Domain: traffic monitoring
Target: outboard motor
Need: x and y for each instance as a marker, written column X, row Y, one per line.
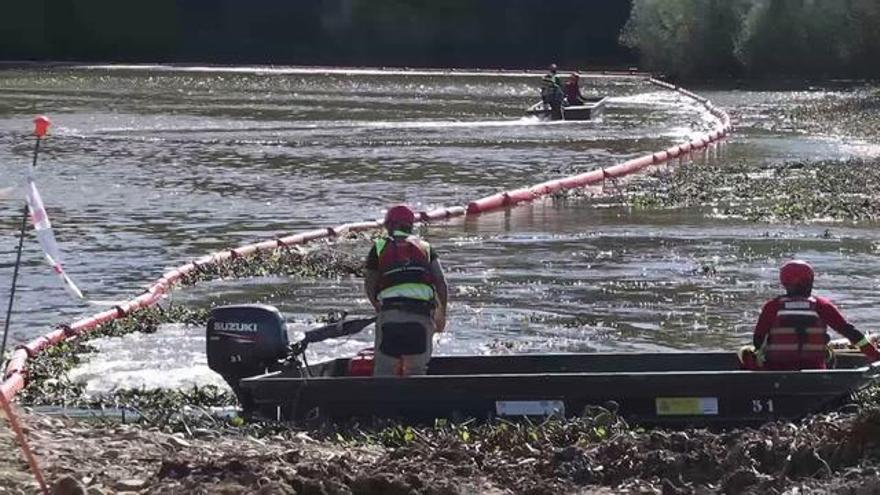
column 243, row 341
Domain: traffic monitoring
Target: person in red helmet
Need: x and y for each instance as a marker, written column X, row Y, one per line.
column 792, row 331
column 406, row 285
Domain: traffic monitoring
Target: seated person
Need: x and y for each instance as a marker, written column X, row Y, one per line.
column 573, row 90
column 792, row 331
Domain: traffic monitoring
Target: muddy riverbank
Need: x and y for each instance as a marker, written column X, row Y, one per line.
column 831, row 453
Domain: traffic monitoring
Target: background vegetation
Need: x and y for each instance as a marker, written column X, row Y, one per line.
column 695, row 38
column 681, row 38
column 425, row 33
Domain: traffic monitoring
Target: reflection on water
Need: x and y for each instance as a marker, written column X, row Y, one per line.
column 147, row 169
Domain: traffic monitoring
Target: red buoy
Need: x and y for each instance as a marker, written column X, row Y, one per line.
column 41, row 125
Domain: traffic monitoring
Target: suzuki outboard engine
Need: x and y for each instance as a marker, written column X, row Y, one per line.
column 243, row 341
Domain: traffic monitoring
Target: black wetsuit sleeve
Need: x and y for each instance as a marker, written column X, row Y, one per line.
column 851, row 333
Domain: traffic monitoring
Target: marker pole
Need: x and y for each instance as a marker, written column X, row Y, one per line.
column 41, row 126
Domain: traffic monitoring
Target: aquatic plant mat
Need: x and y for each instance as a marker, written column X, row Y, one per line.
column 855, row 114
column 825, row 191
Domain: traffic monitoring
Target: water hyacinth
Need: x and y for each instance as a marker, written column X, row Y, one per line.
column 294, row 261
column 855, row 115
column 835, row 191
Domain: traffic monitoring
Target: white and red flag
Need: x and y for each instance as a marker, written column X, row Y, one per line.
column 45, row 235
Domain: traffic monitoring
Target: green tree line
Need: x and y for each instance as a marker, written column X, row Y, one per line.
column 699, row 38
column 484, row 33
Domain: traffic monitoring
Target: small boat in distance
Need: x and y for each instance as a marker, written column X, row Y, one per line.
column 591, row 109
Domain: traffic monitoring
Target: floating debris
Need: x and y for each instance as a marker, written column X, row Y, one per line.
column 825, row 191
column 325, row 261
column 854, row 114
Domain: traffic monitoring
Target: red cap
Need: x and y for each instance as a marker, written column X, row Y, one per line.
column 41, row 125
column 796, row 274
column 399, row 216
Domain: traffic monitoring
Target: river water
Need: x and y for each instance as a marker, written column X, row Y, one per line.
column 150, row 167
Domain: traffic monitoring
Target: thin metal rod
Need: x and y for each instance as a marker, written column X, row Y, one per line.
column 14, row 280
column 22, row 232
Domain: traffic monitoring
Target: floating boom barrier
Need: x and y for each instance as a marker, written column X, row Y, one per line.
column 15, row 375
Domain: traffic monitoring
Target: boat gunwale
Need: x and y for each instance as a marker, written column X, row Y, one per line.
column 870, row 372
column 853, row 371
column 538, row 109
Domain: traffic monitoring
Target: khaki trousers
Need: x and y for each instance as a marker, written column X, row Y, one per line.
column 407, row 364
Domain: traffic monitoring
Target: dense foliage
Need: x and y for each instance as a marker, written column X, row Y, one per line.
column 685, row 38
column 757, row 37
column 422, row 33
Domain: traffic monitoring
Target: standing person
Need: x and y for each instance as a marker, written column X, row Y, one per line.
column 573, row 90
column 792, row 331
column 405, row 284
column 551, row 93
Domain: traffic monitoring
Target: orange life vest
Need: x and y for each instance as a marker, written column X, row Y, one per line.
column 798, row 336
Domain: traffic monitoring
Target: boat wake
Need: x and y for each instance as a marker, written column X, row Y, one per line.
column 522, row 121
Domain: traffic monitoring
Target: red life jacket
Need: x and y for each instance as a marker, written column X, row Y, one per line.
column 405, row 268
column 798, row 338
column 573, row 93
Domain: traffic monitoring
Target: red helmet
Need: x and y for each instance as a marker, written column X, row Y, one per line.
column 796, row 274
column 399, row 216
